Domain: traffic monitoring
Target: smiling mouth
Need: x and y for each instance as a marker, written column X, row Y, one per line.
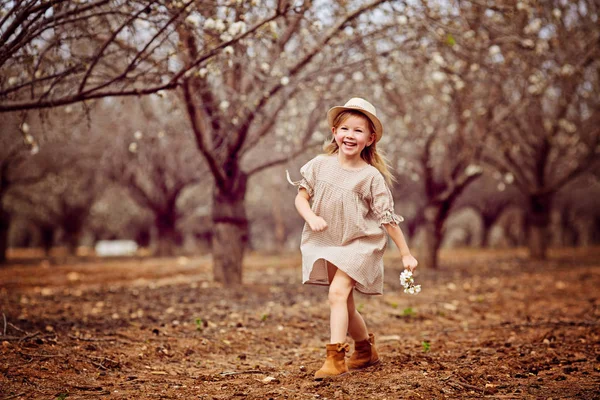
column 349, row 143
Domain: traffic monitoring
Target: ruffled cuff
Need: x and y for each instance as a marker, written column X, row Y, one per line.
column 302, row 183
column 389, row 217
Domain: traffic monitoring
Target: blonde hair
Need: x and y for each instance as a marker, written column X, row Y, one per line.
column 369, row 153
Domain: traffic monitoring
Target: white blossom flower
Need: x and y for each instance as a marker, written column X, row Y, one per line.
column 265, row 67
column 226, row 37
column 473, row 169
column 133, row 147
column 193, row 20
column 25, row 127
column 557, row 13
column 407, row 281
column 161, row 134
column 501, row 186
column 236, row 28
column 285, row 80
column 509, row 178
column 318, row 25
column 533, row 27
column 402, row 20
column 567, row 125
column 38, row 74
column 12, row 80
column 459, row 84
column 224, row 105
column 255, row 3
column 138, row 135
column 68, row 109
column 273, row 26
column 29, row 139
column 209, row 24
column 474, row 67
column 35, row 149
column 228, row 50
column 219, row 25
column 567, row 70
column 202, row 73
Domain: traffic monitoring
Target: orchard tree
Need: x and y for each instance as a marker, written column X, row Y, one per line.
column 149, row 157
column 546, row 129
column 234, row 102
column 432, row 94
column 238, row 64
column 491, row 196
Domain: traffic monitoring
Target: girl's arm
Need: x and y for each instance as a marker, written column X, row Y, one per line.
column 398, row 237
column 315, row 222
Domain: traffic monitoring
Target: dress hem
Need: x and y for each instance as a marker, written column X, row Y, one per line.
column 355, row 288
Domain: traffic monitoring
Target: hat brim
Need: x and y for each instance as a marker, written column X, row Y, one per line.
column 335, row 111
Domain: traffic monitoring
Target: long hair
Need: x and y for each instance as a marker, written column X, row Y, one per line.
column 369, row 153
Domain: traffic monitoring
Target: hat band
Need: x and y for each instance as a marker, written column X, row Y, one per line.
column 357, row 106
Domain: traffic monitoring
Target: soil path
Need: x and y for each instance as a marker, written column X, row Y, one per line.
column 487, row 324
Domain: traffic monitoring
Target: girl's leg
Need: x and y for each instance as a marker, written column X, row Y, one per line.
column 339, row 290
column 356, row 324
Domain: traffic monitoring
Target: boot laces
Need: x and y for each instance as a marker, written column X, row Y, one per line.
column 343, row 346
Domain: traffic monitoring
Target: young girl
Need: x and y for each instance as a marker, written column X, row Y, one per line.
column 345, row 232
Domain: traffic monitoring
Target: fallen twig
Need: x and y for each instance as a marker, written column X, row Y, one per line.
column 4, row 317
column 92, row 339
column 14, row 396
column 251, row 371
column 31, row 336
column 468, row 386
column 89, row 388
column 17, row 328
column 41, row 355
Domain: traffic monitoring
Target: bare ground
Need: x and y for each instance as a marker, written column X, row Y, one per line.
column 487, row 324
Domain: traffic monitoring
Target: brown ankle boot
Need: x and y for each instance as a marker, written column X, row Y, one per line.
column 365, row 354
column 335, row 364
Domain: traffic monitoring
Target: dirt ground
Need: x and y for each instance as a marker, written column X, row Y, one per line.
column 487, row 324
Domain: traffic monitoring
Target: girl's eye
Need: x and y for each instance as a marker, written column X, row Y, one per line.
column 344, row 128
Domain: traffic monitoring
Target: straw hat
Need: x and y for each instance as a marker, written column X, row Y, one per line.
column 361, row 105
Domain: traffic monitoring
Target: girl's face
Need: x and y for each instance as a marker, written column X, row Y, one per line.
column 353, row 135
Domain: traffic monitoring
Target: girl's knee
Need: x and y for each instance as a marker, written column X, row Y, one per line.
column 338, row 294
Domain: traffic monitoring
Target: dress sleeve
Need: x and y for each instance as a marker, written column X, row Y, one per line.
column 382, row 202
column 308, row 177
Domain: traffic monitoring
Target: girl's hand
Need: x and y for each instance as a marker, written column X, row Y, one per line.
column 317, row 224
column 409, row 262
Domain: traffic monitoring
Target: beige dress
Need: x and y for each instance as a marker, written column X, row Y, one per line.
column 355, row 204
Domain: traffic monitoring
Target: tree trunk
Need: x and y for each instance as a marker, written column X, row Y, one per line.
column 280, row 231
column 168, row 237
column 72, row 226
column 4, row 228
column 486, row 230
column 47, row 239
column 230, row 233
column 538, row 220
column 428, row 256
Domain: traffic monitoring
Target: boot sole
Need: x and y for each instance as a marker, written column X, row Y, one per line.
column 331, row 376
column 366, row 366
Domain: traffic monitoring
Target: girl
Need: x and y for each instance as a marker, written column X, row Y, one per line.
column 344, row 236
